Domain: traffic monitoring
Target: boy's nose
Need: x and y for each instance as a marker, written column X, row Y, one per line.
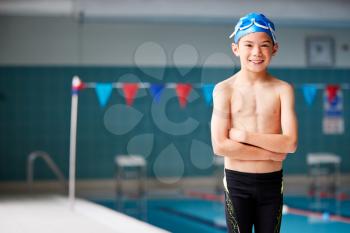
column 256, row 51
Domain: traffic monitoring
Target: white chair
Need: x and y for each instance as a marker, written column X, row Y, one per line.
column 136, row 165
column 326, row 166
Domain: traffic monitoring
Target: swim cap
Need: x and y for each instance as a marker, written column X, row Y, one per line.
column 253, row 22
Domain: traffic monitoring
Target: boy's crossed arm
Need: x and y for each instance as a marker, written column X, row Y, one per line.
column 280, row 143
column 222, row 143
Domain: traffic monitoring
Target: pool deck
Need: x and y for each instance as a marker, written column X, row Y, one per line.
column 52, row 213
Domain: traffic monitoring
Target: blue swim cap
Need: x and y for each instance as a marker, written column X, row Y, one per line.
column 253, row 22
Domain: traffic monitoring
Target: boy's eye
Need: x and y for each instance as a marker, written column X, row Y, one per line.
column 248, row 45
column 265, row 45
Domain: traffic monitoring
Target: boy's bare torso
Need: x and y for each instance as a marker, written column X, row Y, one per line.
column 255, row 108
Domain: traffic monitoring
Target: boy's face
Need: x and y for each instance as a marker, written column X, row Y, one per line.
column 255, row 51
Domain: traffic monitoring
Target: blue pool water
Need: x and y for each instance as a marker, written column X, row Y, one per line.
column 197, row 215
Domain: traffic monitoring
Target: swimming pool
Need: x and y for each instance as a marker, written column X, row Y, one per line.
column 186, row 214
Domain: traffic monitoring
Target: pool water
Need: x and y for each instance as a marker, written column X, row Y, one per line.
column 196, row 215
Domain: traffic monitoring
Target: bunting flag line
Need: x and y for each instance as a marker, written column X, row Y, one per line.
column 183, row 90
column 208, row 93
column 156, row 91
column 309, row 92
column 130, row 90
column 103, row 92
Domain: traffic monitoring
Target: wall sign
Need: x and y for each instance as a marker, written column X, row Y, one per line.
column 320, row 51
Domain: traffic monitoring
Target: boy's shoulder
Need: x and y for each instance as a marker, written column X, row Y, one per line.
column 225, row 85
column 281, row 84
column 224, row 89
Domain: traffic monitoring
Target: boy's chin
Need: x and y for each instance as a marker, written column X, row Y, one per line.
column 257, row 69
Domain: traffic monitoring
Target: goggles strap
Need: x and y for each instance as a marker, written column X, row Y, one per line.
column 273, row 34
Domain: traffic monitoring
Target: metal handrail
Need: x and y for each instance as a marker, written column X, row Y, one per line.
column 46, row 157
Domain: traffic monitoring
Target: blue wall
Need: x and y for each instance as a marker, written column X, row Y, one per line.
column 35, row 115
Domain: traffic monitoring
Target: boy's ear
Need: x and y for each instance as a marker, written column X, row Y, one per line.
column 275, row 49
column 234, row 48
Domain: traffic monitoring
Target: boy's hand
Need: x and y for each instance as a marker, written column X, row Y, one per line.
column 238, row 135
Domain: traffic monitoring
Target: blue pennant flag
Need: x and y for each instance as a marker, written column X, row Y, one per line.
column 208, row 93
column 103, row 91
column 309, row 92
column 156, row 91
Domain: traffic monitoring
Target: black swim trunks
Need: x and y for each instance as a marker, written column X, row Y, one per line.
column 253, row 199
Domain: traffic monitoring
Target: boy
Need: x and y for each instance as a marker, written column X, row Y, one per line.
column 254, row 127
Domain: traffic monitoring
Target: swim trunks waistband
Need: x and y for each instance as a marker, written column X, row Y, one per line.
column 268, row 175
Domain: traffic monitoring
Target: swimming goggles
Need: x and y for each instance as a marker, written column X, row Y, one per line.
column 246, row 23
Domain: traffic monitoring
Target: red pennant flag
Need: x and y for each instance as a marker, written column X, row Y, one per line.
column 130, row 90
column 183, row 90
column 332, row 92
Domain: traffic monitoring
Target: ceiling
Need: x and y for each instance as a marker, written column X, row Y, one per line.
column 328, row 13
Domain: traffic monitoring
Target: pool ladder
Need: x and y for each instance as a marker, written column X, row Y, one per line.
column 51, row 164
